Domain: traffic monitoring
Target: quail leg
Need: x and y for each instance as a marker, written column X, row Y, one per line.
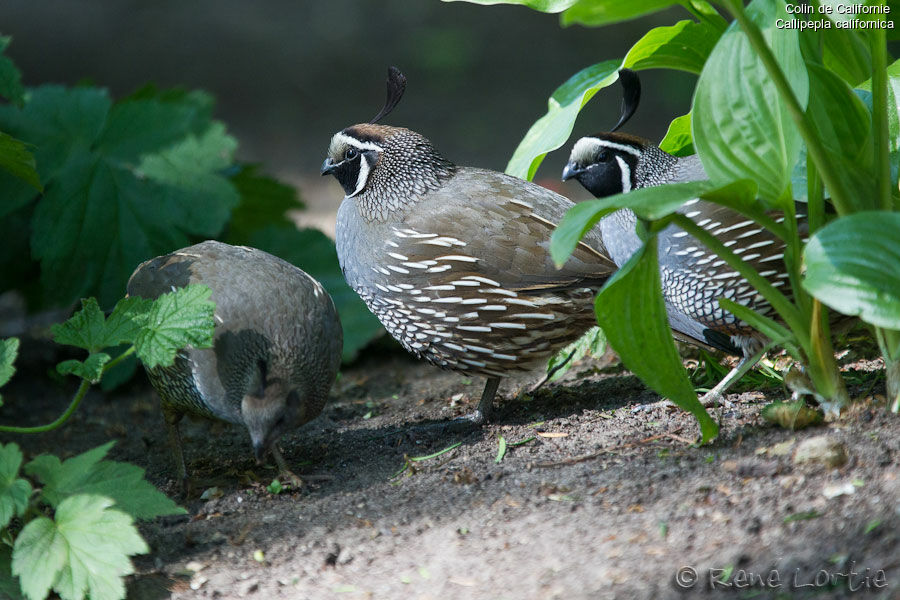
column 482, row 413
column 715, row 396
column 172, row 418
column 284, row 472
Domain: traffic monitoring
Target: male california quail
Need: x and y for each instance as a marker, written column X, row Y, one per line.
column 277, row 344
column 693, row 277
column 454, row 260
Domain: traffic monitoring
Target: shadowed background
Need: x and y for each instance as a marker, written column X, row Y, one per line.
column 287, row 75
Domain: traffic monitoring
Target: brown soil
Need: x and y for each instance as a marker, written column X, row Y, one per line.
column 609, row 500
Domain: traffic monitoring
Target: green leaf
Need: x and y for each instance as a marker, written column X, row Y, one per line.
column 865, row 91
column 631, row 311
column 14, row 492
column 777, row 333
column 91, row 368
column 547, row 6
column 650, row 203
column 678, row 140
column 314, row 252
column 684, row 46
column 846, row 54
column 501, row 449
column 10, row 77
column 843, row 125
column 604, row 12
column 9, row 350
column 592, row 343
column 88, row 328
column 553, row 129
column 17, row 160
column 84, row 550
column 123, row 182
column 193, row 166
column 180, row 318
column 264, row 201
column 85, row 329
column 741, row 127
column 853, row 266
column 126, row 321
column 87, row 473
column 59, row 122
column 144, row 125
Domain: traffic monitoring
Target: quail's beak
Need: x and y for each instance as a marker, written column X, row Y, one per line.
column 328, row 166
column 571, row 170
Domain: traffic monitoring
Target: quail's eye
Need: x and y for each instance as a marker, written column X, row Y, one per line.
column 603, row 156
column 351, row 153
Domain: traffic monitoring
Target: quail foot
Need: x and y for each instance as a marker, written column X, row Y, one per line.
column 277, row 345
column 454, row 260
column 693, row 277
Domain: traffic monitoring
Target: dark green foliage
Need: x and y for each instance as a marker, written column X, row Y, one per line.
column 92, row 187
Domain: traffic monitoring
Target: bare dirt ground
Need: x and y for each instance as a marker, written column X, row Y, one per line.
column 608, row 500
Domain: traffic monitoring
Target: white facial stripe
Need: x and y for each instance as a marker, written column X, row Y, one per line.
column 614, row 146
column 626, row 174
column 362, row 177
column 585, row 147
column 340, row 137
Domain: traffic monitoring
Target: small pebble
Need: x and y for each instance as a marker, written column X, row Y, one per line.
column 821, row 449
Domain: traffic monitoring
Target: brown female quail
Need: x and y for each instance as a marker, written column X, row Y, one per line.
column 277, row 344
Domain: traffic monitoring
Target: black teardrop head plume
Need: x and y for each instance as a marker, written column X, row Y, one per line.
column 631, row 95
column 396, row 85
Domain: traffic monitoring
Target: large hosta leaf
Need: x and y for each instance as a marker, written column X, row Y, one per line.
column 552, row 130
column 604, row 12
column 651, row 203
column 684, row 46
column 631, row 312
column 853, row 266
column 741, row 127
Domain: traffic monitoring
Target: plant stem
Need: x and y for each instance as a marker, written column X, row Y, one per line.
column 79, row 395
column 131, row 350
column 815, row 197
column 823, row 369
column 76, row 400
column 839, row 194
column 880, row 135
column 889, row 344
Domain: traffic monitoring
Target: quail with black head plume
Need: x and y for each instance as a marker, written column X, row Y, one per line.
column 276, row 352
column 454, row 260
column 693, row 277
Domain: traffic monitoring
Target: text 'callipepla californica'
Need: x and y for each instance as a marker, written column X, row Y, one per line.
column 277, row 344
column 454, row 260
column 693, row 277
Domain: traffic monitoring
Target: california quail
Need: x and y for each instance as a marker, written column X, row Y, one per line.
column 693, row 277
column 277, row 344
column 454, row 261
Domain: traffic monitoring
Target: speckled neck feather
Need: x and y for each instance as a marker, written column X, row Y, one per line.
column 408, row 168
